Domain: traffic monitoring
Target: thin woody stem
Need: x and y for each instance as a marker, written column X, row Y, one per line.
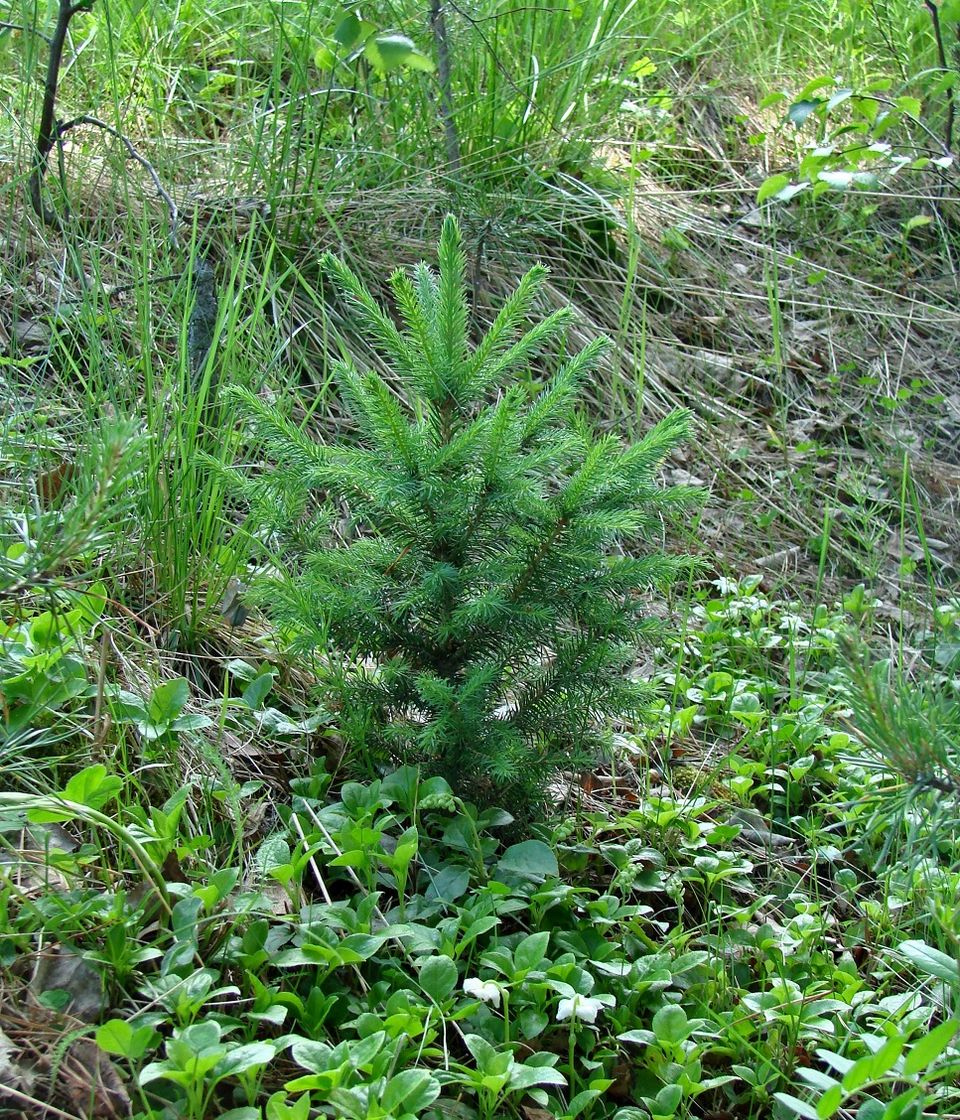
column 48, row 132
column 439, row 25
column 133, row 154
column 942, row 56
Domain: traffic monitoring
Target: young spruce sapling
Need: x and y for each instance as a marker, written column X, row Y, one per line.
column 481, row 613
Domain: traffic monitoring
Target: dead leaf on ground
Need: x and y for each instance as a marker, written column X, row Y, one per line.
column 31, row 334
column 91, row 1082
column 47, row 1056
column 60, row 968
column 13, row 1075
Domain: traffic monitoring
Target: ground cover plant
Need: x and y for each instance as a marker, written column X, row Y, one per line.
column 260, row 858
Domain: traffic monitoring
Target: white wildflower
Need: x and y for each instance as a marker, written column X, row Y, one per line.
column 486, row 990
column 586, row 1008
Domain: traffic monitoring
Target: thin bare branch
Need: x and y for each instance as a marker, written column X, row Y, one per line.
column 5, row 26
column 132, row 153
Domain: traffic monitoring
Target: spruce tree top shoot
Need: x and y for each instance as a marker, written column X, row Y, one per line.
column 482, row 613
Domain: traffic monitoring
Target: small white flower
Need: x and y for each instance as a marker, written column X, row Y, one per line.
column 486, row 990
column 586, row 1008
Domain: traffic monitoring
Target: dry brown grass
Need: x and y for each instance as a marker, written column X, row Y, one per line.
column 709, row 300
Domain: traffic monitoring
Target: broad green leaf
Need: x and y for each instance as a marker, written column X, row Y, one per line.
column 350, row 1104
column 858, row 1074
column 294, row 958
column 746, row 708
column 930, row 1047
column 530, row 859
column 155, row 1071
column 818, row 1079
column 907, row 1105
column 438, row 977
column 312, row 1055
column 200, row 1037
column 257, row 691
column 838, row 98
column 273, row 852
column 116, row 1037
column 91, row 603
column 459, row 835
column 643, row 1038
column 836, row 1061
column 477, row 928
column 791, row 191
column 884, row 1060
column 409, row 1092
column 800, row 110
column 277, row 1109
column 408, row 844
column 130, row 705
column 912, row 106
column 387, row 53
column 867, row 107
column 324, row 1082
column 837, row 180
column 241, row 669
column 193, row 721
column 930, row 960
column 668, row 1100
column 484, row 1053
column 438, row 789
column 323, row 59
column 821, row 81
column 221, row 884
column 801, row 1108
column 670, row 1024
column 586, row 1097
column 532, row 1022
column 916, row 222
column 366, row 1049
column 402, row 785
column 772, row 186
column 359, row 947
column 829, row 1102
column 347, row 31
column 92, row 787
column 449, row 884
column 772, row 99
column 168, row 700
column 152, row 731
column 642, row 67
column 530, row 952
column 44, row 631
column 528, row 1075
column 184, row 917
column 245, row 1057
column 871, row 1109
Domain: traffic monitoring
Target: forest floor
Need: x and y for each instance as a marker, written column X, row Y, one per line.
column 202, row 913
